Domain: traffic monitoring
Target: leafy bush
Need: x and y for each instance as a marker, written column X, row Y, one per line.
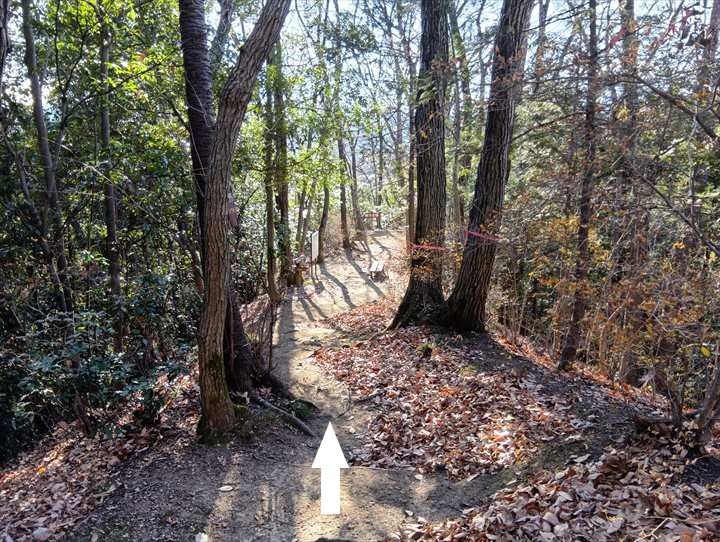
column 65, row 368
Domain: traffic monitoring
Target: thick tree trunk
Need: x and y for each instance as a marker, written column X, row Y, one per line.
column 424, row 294
column 52, row 213
column 110, row 193
column 220, row 323
column 572, row 338
column 199, row 101
column 466, row 305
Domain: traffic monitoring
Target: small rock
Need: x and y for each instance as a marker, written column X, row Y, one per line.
column 225, row 489
column 202, row 537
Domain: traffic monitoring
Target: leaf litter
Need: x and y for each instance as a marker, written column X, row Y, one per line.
column 439, row 408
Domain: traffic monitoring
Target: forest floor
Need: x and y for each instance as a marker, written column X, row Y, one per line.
column 446, row 436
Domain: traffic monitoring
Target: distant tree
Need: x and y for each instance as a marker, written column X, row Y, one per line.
column 572, row 337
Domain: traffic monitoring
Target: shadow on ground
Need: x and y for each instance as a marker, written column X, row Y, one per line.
column 264, row 489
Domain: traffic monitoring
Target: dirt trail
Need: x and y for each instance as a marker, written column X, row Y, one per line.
column 265, row 490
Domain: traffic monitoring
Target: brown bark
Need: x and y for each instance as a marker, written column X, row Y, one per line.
column 268, row 172
column 51, row 212
column 466, row 305
column 220, row 323
column 354, row 197
column 199, row 101
column 343, row 195
column 281, row 168
column 635, row 220
column 424, row 293
column 464, row 112
column 411, row 86
column 572, row 338
column 322, row 230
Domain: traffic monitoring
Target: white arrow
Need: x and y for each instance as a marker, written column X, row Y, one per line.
column 329, row 459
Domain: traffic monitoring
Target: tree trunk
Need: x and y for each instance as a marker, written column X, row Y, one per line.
column 627, row 182
column 220, row 323
column 322, row 230
column 281, row 168
column 303, row 225
column 354, row 196
column 51, row 204
column 343, row 194
column 4, row 39
column 457, row 206
column 424, row 293
column 380, row 182
column 464, row 127
column 540, row 49
column 110, row 195
column 300, row 217
column 411, row 197
column 268, row 172
column 703, row 91
column 572, row 338
column 466, row 305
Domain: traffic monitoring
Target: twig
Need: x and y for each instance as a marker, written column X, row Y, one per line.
column 291, row 418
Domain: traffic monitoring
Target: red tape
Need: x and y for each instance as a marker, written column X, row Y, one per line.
column 484, row 236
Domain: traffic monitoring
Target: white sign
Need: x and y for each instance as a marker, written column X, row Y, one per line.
column 329, row 459
column 314, row 246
